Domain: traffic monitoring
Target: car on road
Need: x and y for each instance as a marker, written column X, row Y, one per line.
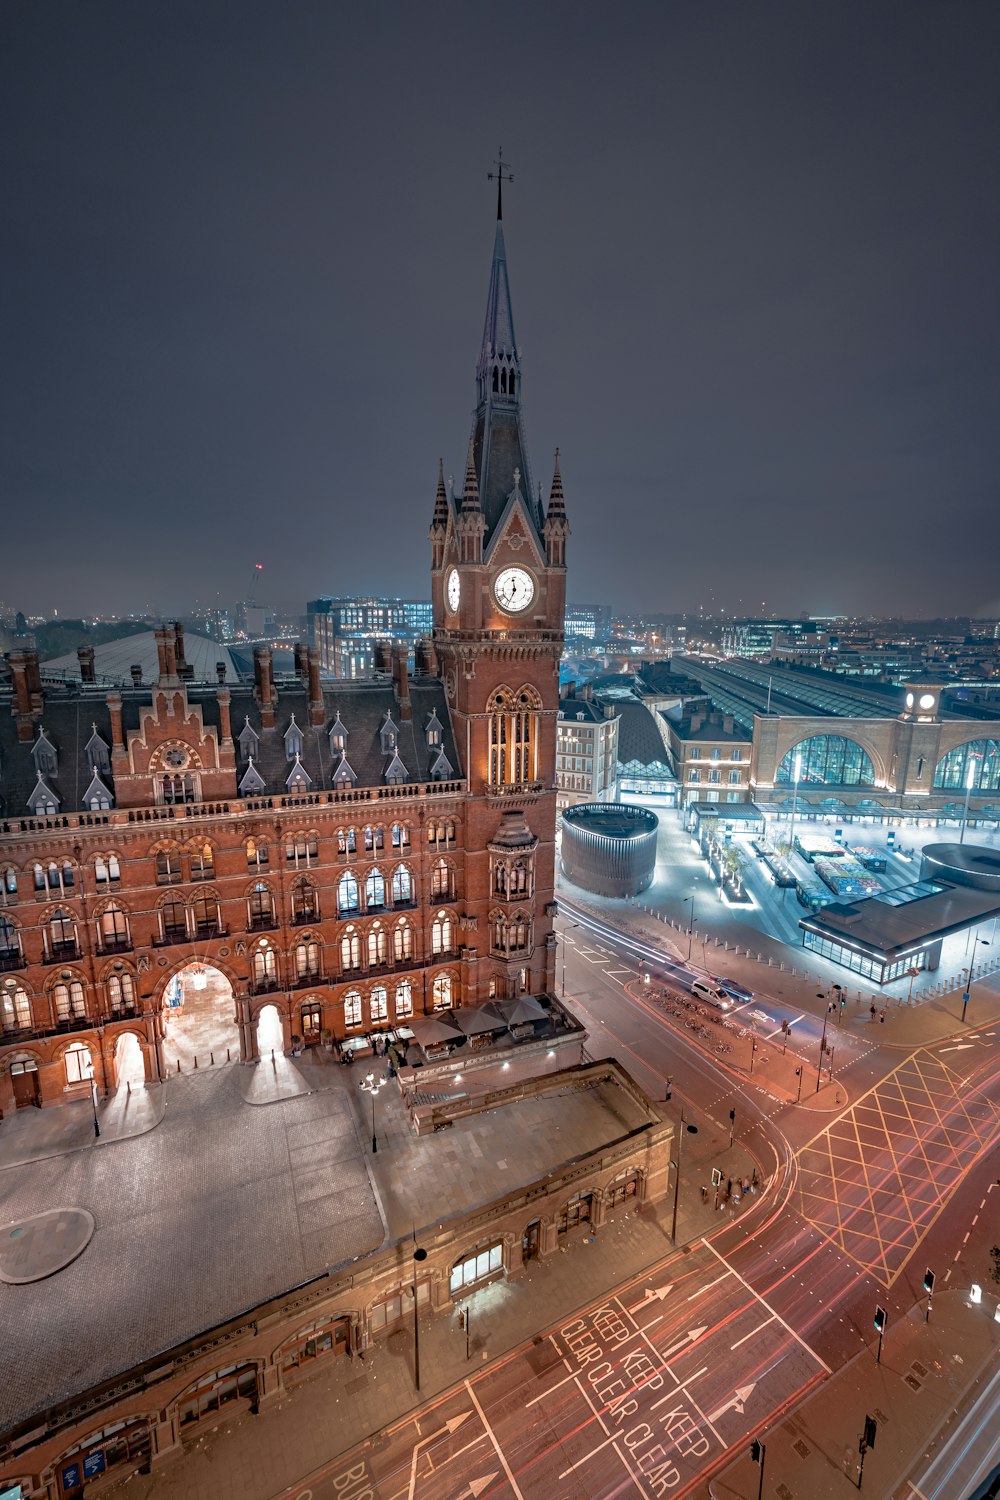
column 705, row 989
column 737, row 991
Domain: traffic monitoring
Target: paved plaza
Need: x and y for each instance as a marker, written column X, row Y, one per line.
column 227, row 1203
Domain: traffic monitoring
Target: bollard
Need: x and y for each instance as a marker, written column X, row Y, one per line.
column 211, row 1059
column 228, row 1058
column 178, row 1065
column 196, row 1062
column 128, row 1088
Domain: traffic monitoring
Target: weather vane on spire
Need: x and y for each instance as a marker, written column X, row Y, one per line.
column 501, row 175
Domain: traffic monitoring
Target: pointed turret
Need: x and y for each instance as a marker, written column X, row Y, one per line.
column 439, row 520
column 471, row 524
column 556, row 528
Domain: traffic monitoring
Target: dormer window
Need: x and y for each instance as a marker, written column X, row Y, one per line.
column 248, row 741
column 396, row 772
column 293, row 741
column 343, row 776
column 97, row 798
column 43, row 801
column 98, row 754
column 251, row 782
column 43, row 753
column 389, row 736
column 338, row 737
column 441, row 768
column 299, row 779
column 434, row 732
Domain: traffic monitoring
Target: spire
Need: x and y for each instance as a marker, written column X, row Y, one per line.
column 470, row 492
column 498, row 327
column 557, row 502
column 440, row 498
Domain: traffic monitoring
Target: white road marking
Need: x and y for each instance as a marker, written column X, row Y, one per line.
column 492, row 1437
column 703, row 1289
column 751, row 1334
column 777, row 1316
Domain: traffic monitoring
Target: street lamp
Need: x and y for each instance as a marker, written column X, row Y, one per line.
column 371, row 1085
column 689, row 901
column 93, row 1100
column 822, row 1045
column 966, row 994
column 419, row 1256
column 685, row 1129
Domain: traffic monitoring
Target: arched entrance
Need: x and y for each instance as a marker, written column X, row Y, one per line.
column 129, row 1063
column 270, row 1037
column 199, row 1019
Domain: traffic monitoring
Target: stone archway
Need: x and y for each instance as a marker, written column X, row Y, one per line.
column 129, row 1061
column 200, row 1019
column 269, row 1035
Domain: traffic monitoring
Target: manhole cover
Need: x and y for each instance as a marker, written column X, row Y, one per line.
column 31, row 1249
column 918, row 1368
column 913, row 1382
column 801, row 1448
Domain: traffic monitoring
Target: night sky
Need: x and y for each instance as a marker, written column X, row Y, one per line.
column 754, row 255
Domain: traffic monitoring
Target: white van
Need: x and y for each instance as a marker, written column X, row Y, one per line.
column 701, row 989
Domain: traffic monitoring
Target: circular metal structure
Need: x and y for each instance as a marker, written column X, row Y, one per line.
column 609, row 848
column 962, row 864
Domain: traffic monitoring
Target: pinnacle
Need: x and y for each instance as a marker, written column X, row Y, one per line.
column 470, row 491
column 440, row 499
column 557, row 503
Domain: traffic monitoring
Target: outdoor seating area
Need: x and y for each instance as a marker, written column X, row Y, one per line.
column 482, row 1028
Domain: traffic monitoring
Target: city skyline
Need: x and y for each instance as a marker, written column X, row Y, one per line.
column 755, row 316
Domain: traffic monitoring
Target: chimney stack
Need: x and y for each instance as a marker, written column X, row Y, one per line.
column 426, row 656
column 179, row 644
column 27, row 700
column 136, row 670
column 317, row 708
column 166, row 654
column 85, row 656
column 264, row 689
column 301, row 660
column 383, row 656
column 220, row 671
column 225, row 725
column 401, row 679
column 114, row 702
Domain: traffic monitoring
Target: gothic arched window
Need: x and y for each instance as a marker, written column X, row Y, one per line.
column 513, row 736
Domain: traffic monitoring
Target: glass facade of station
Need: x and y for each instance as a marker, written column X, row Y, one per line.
column 873, row 966
column 953, row 769
column 827, row 760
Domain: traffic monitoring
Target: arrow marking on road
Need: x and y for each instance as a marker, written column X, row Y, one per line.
column 690, row 1337
column 651, row 1293
column 450, row 1426
column 962, row 1047
column 737, row 1403
column 476, row 1486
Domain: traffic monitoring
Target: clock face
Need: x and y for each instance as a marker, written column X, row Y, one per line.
column 514, row 590
column 454, row 590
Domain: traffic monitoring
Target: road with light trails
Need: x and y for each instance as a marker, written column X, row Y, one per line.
column 971, row 1454
column 647, row 1391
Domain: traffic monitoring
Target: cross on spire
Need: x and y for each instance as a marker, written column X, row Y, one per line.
column 501, row 175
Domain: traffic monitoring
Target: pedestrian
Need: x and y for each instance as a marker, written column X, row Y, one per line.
column 874, row 1008
column 755, row 1180
column 729, row 1188
column 746, row 1186
column 881, row 1016
column 704, row 1193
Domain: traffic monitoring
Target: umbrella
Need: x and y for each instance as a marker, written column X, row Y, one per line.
column 524, row 1008
column 431, row 1029
column 475, row 1019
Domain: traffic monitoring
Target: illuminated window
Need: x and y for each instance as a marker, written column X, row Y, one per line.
column 347, row 893
column 69, row 1002
column 402, row 941
column 121, row 992
column 441, row 993
column 350, row 950
column 378, row 948
column 513, row 736
column 15, row 1007
column 374, row 890
column 352, row 1008
column 978, row 759
column 404, row 1000
column 79, row 1063
column 378, row 1003
column 442, row 933
column 827, row 760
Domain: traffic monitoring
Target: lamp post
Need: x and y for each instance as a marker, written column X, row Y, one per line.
column 371, row 1085
column 419, row 1256
column 689, row 901
column 966, row 993
column 685, row 1129
column 93, row 1100
column 822, row 1045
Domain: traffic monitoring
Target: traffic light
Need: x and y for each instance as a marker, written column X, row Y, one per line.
column 732, row 1115
column 928, row 1282
column 880, row 1320
column 755, row 1451
column 843, row 1001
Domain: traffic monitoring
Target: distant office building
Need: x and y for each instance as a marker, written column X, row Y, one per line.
column 586, row 751
column 757, row 637
column 589, row 622
column 345, row 631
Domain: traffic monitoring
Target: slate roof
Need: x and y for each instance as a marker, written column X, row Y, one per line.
column 638, row 737
column 68, row 715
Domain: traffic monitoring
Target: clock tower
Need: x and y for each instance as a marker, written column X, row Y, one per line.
column 498, row 585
